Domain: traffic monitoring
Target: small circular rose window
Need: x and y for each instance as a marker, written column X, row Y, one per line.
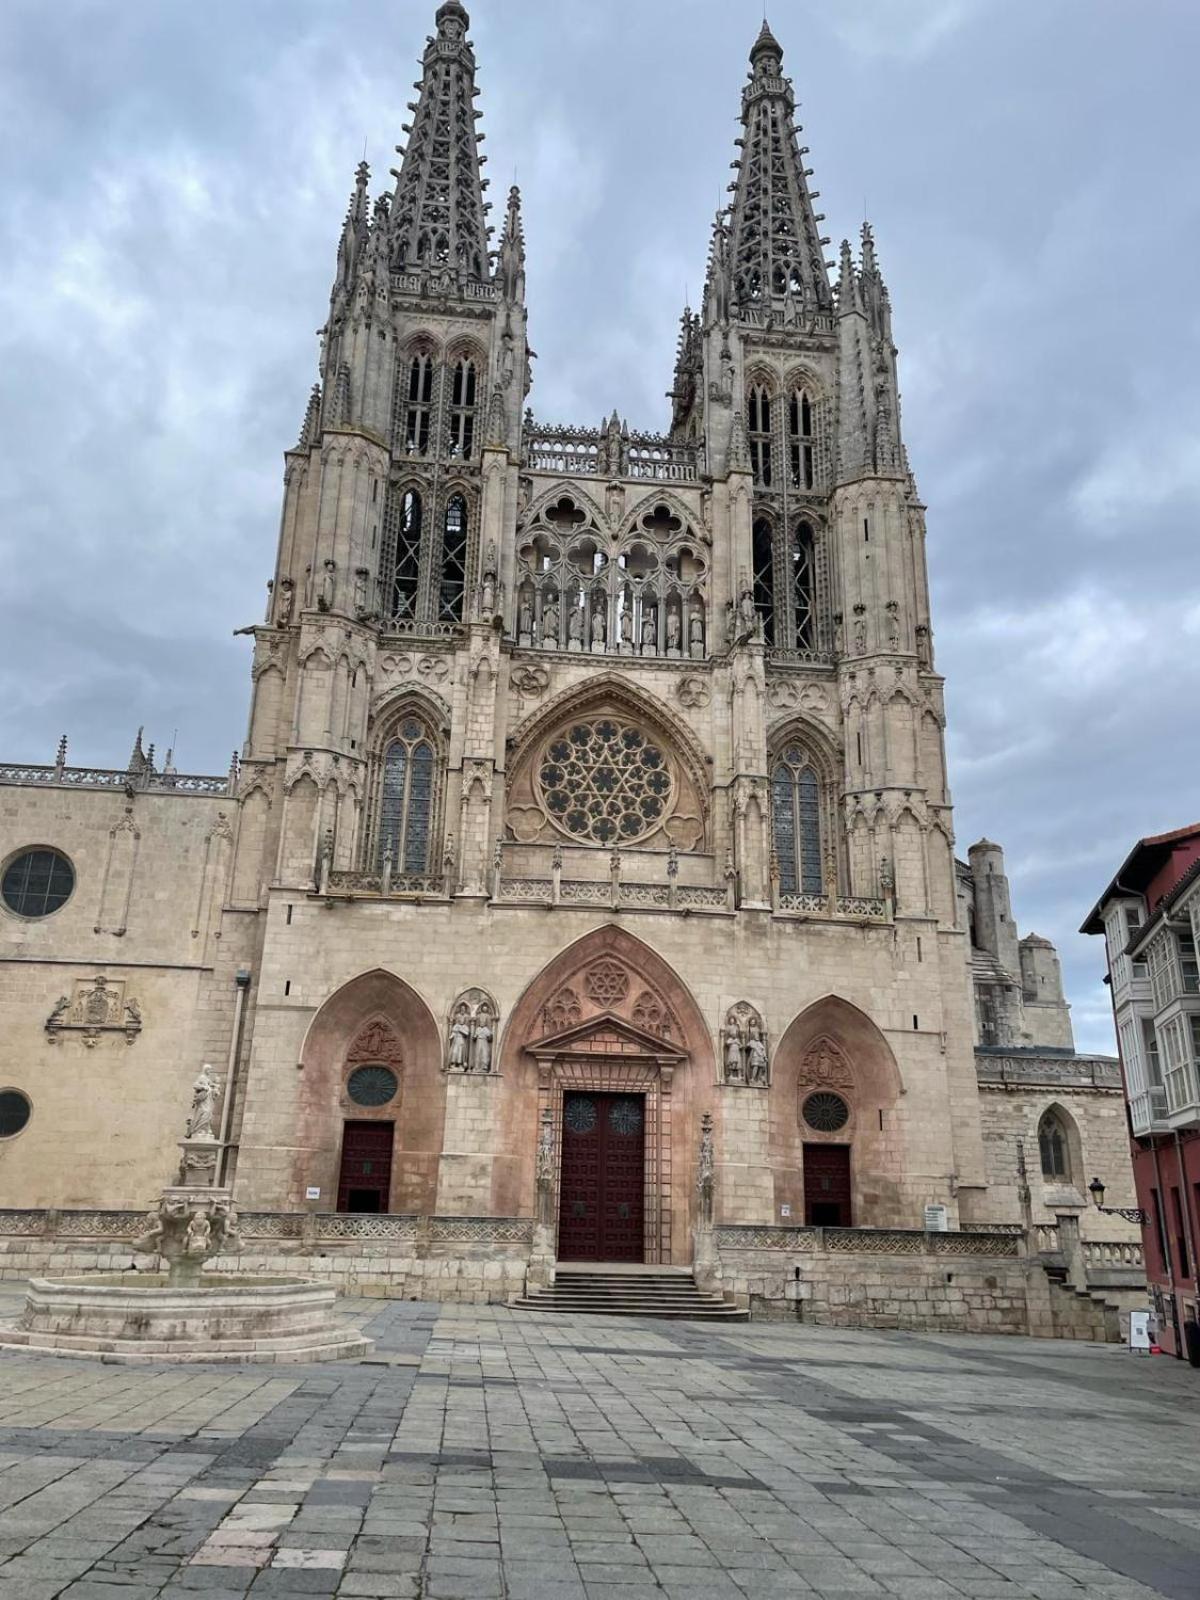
column 372, row 1086
column 605, row 782
column 826, row 1112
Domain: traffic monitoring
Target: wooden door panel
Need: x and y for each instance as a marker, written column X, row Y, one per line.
column 365, row 1180
column 601, row 1190
column 827, row 1187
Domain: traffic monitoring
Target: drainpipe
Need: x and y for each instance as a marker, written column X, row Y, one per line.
column 1162, row 1233
column 242, row 979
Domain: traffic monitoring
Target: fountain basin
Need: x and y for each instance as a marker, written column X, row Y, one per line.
column 140, row 1316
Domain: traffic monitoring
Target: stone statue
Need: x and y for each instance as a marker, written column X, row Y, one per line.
column 649, row 628
column 696, row 631
column 756, row 1057
column 488, row 596
column 887, row 878
column 62, row 1006
column 597, row 629
column 575, row 625
column 525, row 620
column 326, row 597
column 706, row 1169
column 147, row 1243
column 860, row 635
column 747, row 614
column 285, row 602
column 545, row 1152
column 481, row 1044
column 550, row 622
column 673, row 630
column 460, row 1040
column 627, row 626
column 733, row 1056
column 198, row 1237
column 205, row 1093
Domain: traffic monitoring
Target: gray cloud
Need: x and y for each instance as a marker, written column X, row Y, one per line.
column 173, row 180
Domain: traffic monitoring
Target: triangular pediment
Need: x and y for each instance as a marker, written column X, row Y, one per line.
column 607, row 1034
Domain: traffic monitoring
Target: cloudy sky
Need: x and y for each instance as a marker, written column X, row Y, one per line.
column 173, row 181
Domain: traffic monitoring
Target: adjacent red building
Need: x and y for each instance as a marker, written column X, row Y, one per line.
column 1150, row 917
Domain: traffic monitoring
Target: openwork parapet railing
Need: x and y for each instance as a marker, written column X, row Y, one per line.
column 610, row 452
column 108, row 778
column 257, row 1228
column 854, row 908
column 556, row 891
column 869, row 1241
column 401, row 886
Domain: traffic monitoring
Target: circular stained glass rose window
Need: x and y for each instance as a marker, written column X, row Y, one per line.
column 625, row 1117
column 605, row 782
column 372, row 1086
column 579, row 1115
column 826, row 1111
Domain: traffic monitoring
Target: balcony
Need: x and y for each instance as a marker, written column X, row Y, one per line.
column 610, row 452
column 1183, row 1096
column 1148, row 1112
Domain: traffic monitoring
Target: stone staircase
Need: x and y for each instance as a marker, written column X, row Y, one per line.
column 623, row 1291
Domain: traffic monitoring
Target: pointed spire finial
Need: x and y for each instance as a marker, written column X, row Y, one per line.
column 137, row 756
column 767, row 45
column 510, row 262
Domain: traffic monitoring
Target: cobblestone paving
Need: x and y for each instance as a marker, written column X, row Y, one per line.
column 487, row 1454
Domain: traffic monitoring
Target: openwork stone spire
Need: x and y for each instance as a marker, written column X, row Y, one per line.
column 510, row 258
column 776, row 248
column 437, row 216
column 354, row 232
column 869, row 438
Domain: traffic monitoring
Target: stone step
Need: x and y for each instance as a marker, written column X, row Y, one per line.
column 617, row 1308
column 586, row 1291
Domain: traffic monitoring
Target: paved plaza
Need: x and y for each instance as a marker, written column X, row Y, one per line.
column 485, row 1453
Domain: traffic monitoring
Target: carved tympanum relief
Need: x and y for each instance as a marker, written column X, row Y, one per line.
column 744, row 1054
column 96, row 1005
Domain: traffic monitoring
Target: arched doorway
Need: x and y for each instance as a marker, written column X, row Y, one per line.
column 837, row 1147
column 372, row 1101
column 610, row 1043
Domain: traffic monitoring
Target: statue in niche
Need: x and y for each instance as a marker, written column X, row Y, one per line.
column 733, row 1057
column 598, row 629
column 756, row 1056
column 488, row 592
column 205, row 1093
column 471, row 1035
column 627, row 626
column 525, row 620
column 696, row 633
column 285, row 602
column 550, row 622
column 887, row 878
column 649, row 629
column 360, row 591
column 860, row 635
column 575, row 625
column 328, row 586
column 481, row 1046
column 673, row 629
column 893, row 611
column 744, row 1047
column 747, row 615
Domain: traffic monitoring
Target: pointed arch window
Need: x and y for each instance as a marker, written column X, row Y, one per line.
column 419, row 408
column 405, row 515
column 796, row 822
column 1054, row 1149
column 462, row 409
column 763, row 557
column 803, row 587
column 758, row 429
column 801, row 441
column 406, row 795
column 453, row 582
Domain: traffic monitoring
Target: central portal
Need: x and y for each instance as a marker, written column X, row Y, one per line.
column 602, row 1188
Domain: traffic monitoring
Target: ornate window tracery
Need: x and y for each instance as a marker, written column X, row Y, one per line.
column 453, row 581
column 763, row 555
column 605, row 782
column 796, row 822
column 1054, row 1149
column 406, row 795
column 801, row 441
column 404, row 512
column 758, row 429
column 419, row 410
column 462, row 409
column 804, row 629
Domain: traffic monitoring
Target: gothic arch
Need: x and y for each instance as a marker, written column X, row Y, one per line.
column 390, row 707
column 384, row 730
column 372, row 997
column 630, row 524
column 557, row 1037
column 1059, row 1146
column 798, row 375
column 832, row 1030
column 821, row 744
column 565, row 489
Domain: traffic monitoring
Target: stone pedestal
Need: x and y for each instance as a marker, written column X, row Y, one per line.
column 468, row 1144
column 746, row 1184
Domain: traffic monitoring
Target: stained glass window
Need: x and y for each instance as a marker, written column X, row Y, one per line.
column 37, row 882
column 406, row 799
column 372, row 1086
column 796, row 822
column 14, row 1112
column 453, row 584
column 1052, row 1147
column 605, row 782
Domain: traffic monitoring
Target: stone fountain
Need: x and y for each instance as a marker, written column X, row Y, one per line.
column 183, row 1313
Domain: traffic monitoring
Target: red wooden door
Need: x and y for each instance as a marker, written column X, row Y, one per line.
column 366, row 1176
column 827, row 1185
column 602, row 1188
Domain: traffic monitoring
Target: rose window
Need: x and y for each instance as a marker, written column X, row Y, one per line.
column 605, row 782
column 607, row 983
column 826, row 1112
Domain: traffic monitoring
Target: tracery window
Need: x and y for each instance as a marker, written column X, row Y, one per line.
column 763, row 556
column 803, row 588
column 1053, row 1148
column 796, row 822
column 406, row 797
column 462, row 410
column 801, row 441
column 453, row 582
column 404, row 512
column 419, row 410
column 758, row 427
column 605, row 782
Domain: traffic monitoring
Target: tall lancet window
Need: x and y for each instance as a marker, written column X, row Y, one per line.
column 462, row 410
column 803, row 616
column 405, row 516
column 406, row 799
column 420, row 406
column 796, row 822
column 758, row 427
column 801, row 442
column 763, row 557
column 453, row 583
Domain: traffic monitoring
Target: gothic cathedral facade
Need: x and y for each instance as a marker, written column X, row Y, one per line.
column 590, row 856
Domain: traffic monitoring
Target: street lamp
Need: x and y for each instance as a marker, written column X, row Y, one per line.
column 1130, row 1213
